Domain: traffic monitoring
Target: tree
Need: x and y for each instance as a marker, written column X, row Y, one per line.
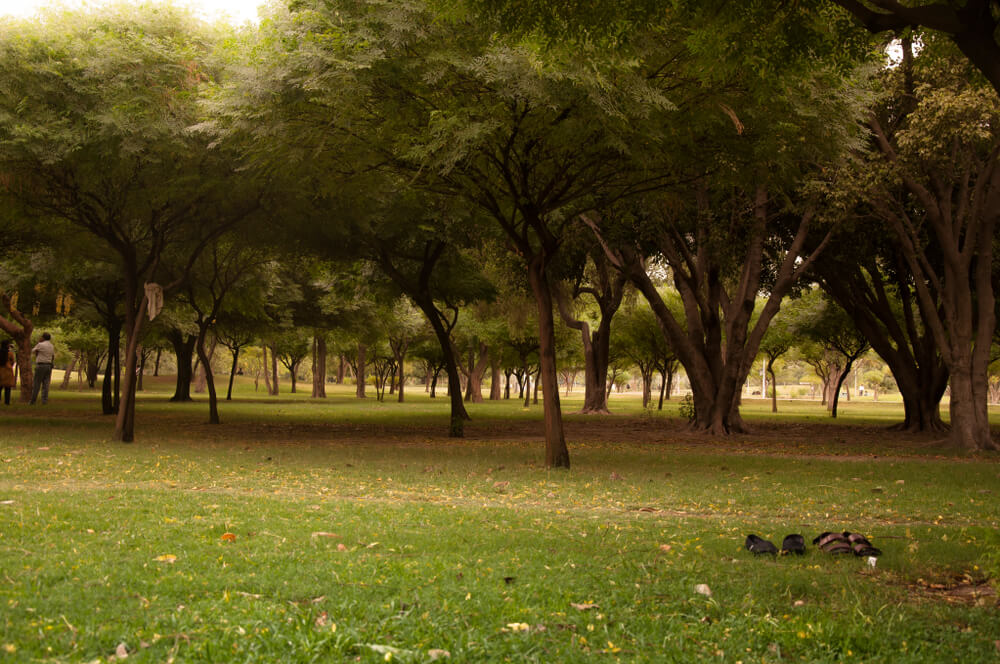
column 865, row 273
column 973, row 25
column 97, row 138
column 778, row 340
column 595, row 277
column 483, row 123
column 224, row 267
column 937, row 153
column 838, row 343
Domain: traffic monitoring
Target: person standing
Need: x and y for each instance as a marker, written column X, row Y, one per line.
column 7, row 378
column 44, row 352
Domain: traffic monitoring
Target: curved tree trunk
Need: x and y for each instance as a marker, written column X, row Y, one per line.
column 206, row 363
column 232, row 373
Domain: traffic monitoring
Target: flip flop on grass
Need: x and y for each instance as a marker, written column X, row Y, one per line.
column 793, row 544
column 758, row 546
column 833, row 543
column 861, row 546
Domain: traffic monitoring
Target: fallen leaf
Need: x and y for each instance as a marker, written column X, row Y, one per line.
column 585, row 606
column 615, row 477
column 321, row 619
column 518, row 627
column 799, row 602
column 436, row 654
column 166, row 558
column 341, row 547
column 703, row 589
column 6, row 502
column 324, row 534
column 665, row 547
column 228, row 537
column 121, row 652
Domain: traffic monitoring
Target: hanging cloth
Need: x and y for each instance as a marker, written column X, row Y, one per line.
column 154, row 299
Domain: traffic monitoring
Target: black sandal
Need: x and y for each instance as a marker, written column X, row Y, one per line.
column 793, row 544
column 758, row 546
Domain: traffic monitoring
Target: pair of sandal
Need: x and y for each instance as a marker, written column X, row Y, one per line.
column 846, row 542
column 791, row 544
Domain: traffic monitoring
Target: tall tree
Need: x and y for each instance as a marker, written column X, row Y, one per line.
column 937, row 154
column 94, row 132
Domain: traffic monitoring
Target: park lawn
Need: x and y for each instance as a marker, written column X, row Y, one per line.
column 306, row 530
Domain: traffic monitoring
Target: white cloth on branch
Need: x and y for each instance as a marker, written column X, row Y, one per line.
column 154, row 299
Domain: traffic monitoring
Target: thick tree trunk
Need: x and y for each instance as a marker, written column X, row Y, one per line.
column 556, row 452
column 477, row 369
column 969, row 408
column 19, row 329
column 184, row 351
column 319, row 367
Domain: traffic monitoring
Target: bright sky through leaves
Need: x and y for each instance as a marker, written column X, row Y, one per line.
column 236, row 11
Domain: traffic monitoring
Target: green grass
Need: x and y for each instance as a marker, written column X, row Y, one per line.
column 363, row 534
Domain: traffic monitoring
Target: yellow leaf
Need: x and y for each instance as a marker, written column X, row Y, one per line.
column 166, row 558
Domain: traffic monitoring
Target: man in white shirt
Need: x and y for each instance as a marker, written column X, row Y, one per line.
column 44, row 352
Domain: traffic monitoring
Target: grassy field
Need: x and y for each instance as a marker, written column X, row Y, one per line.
column 308, row 530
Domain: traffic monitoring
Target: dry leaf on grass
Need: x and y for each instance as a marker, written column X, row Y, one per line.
column 228, row 537
column 703, row 589
column 166, row 558
column 324, row 534
column 121, row 652
column 585, row 606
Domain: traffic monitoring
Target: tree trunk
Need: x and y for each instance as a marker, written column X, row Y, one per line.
column 110, row 395
column 203, row 369
column 232, row 372
column 156, row 364
column 20, row 329
column 184, row 351
column 125, row 419
column 774, row 385
column 556, row 452
column 319, row 367
column 477, row 369
column 274, row 370
column 206, row 363
column 340, row 368
column 361, row 372
column 69, row 371
column 496, row 382
column 267, row 369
